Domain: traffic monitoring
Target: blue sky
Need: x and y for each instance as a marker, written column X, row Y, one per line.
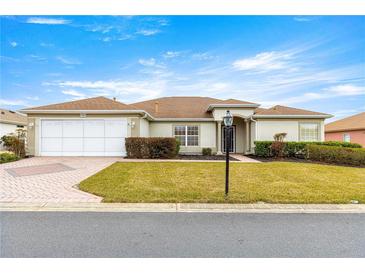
column 308, row 62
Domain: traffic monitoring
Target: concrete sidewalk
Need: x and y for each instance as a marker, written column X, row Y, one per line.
column 185, row 207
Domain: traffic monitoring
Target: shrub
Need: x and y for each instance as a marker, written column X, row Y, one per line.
column 151, row 148
column 339, row 144
column 277, row 149
column 294, row 149
column 336, row 154
column 262, row 148
column 178, row 144
column 207, row 151
column 14, row 144
column 7, row 157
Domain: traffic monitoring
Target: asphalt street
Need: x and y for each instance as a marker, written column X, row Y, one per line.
column 96, row 234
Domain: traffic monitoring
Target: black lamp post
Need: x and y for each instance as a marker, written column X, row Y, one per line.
column 228, row 121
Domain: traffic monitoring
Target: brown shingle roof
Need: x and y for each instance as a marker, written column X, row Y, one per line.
column 96, row 103
column 169, row 107
column 182, row 107
column 355, row 122
column 281, row 110
column 12, row 117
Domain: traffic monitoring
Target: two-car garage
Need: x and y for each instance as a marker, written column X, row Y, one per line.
column 83, row 137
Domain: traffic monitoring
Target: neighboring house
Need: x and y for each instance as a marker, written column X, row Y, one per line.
column 10, row 121
column 350, row 129
column 98, row 126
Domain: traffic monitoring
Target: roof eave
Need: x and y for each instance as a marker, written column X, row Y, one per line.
column 184, row 119
column 322, row 116
column 80, row 111
column 13, row 123
column 343, row 130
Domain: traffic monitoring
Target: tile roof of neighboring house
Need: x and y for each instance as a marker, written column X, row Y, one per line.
column 96, row 103
column 182, row 107
column 12, row 117
column 281, row 110
column 355, row 122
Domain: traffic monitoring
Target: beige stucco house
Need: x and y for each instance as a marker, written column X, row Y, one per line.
column 98, row 126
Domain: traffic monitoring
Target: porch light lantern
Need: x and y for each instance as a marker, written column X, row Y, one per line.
column 228, row 121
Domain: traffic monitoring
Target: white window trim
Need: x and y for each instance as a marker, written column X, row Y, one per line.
column 186, row 134
column 309, row 123
column 344, row 138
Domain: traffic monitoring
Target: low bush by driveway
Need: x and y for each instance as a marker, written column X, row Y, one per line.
column 275, row 182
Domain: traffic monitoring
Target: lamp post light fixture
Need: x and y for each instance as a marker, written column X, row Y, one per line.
column 228, row 121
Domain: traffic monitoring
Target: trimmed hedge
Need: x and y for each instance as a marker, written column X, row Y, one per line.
column 295, row 149
column 336, row 155
column 339, row 144
column 151, row 148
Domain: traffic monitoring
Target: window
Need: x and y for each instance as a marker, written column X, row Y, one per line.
column 308, row 132
column 346, row 137
column 187, row 135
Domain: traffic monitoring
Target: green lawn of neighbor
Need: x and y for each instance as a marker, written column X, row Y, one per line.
column 197, row 182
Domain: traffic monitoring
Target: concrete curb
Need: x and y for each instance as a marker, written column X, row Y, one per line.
column 185, row 207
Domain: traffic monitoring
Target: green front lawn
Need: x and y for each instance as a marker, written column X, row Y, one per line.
column 276, row 182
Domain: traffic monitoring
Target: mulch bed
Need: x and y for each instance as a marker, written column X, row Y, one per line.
column 205, row 158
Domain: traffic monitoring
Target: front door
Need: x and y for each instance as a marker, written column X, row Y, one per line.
column 232, row 143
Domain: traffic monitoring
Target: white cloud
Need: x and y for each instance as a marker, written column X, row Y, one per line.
column 171, row 54
column 47, row 21
column 148, row 32
column 202, row 56
column 100, row 28
column 37, row 58
column 4, row 102
column 326, row 93
column 346, row 90
column 13, row 44
column 106, row 39
column 147, row 62
column 145, row 89
column 152, row 63
column 163, row 22
column 264, row 61
column 33, row 98
column 74, row 93
column 125, row 37
column 68, row 61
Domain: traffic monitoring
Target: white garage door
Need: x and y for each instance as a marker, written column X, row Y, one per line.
column 87, row 137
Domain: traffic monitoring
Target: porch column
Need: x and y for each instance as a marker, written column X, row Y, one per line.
column 247, row 136
column 219, row 138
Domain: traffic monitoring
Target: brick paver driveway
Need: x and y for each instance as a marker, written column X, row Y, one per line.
column 49, row 179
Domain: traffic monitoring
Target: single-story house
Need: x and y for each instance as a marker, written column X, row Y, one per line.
column 350, row 129
column 98, row 126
